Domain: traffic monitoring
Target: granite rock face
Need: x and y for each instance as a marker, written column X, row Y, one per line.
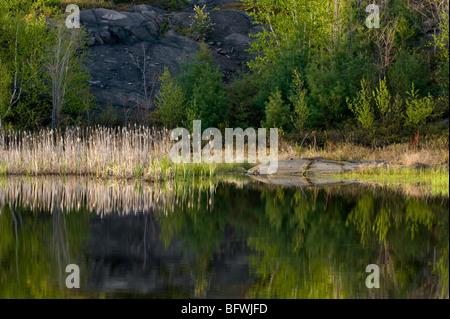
column 142, row 23
column 120, row 42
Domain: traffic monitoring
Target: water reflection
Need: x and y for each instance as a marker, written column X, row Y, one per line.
column 227, row 237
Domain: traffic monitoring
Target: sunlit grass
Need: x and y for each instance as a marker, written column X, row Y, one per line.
column 433, row 181
column 430, row 176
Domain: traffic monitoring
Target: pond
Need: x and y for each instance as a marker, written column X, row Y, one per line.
column 223, row 237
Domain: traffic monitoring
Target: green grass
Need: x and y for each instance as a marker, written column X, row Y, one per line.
column 201, row 170
column 433, row 181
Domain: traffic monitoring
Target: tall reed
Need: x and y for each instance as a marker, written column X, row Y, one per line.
column 135, row 151
column 129, row 152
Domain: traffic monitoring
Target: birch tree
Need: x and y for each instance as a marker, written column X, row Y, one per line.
column 63, row 63
column 22, row 39
column 294, row 24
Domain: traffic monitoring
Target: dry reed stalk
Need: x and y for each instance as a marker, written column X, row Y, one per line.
column 94, row 151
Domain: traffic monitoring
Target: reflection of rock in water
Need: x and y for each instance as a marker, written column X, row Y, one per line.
column 299, row 181
column 126, row 253
column 190, row 240
column 126, row 256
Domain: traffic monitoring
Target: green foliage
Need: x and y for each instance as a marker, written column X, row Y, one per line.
column 27, row 40
column 442, row 38
column 418, row 110
column 290, row 24
column 211, row 98
column 333, row 77
column 23, row 40
column 298, row 100
column 67, row 75
column 280, row 73
column 202, row 82
column 192, row 113
column 177, row 4
column 88, row 104
column 170, row 101
column 277, row 112
column 324, row 41
column 249, row 94
column 80, row 101
column 361, row 106
column 336, row 53
column 243, row 94
column 382, row 100
column 164, row 27
column 5, row 83
column 409, row 67
column 201, row 24
column 108, row 116
column 442, row 43
column 397, row 110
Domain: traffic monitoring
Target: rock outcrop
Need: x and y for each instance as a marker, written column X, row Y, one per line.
column 314, row 166
column 309, row 172
column 157, row 38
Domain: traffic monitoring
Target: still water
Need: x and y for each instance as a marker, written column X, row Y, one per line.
column 228, row 237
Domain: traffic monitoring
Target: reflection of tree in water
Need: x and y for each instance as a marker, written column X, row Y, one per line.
column 192, row 220
column 306, row 243
column 54, row 237
column 319, row 245
column 35, row 249
column 311, row 243
column 295, row 246
column 405, row 229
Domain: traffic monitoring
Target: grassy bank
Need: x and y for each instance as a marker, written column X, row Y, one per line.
column 416, row 168
column 139, row 152
column 413, row 181
column 430, row 152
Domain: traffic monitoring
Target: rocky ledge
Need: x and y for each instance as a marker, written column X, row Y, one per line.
column 309, row 171
column 315, row 166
